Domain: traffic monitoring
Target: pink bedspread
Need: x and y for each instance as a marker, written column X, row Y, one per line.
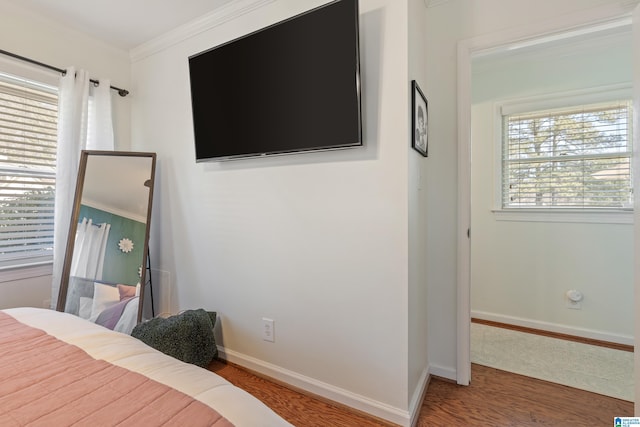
column 45, row 381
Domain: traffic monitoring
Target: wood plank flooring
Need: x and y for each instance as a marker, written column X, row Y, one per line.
column 499, row 398
column 494, row 398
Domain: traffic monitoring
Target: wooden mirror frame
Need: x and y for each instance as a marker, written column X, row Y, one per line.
column 73, row 226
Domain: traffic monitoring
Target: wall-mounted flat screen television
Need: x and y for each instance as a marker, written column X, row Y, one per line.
column 291, row 87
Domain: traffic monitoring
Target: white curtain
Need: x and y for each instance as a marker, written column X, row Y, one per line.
column 89, row 249
column 84, row 122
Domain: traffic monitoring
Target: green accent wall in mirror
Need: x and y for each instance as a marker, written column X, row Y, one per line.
column 119, row 267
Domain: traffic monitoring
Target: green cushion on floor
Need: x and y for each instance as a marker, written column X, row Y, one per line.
column 187, row 336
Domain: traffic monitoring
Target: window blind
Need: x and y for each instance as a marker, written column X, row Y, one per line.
column 28, row 135
column 569, row 158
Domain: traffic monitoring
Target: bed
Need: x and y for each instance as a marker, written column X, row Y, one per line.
column 189, row 384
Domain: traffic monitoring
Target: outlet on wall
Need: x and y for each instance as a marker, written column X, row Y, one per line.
column 574, row 297
column 574, row 304
column 268, row 331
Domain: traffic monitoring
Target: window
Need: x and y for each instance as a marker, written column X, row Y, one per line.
column 28, row 134
column 570, row 158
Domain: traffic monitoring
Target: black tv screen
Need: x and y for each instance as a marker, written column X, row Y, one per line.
column 293, row 86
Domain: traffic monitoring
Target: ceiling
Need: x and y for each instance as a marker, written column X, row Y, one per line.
column 584, row 41
column 127, row 24
column 124, row 24
column 125, row 192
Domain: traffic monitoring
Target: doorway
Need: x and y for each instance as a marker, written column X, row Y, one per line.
column 471, row 55
column 526, row 256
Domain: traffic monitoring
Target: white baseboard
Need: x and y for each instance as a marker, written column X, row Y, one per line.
column 443, row 372
column 418, row 397
column 327, row 391
column 554, row 327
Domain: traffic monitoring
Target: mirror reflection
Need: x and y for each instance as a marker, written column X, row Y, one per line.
column 105, row 263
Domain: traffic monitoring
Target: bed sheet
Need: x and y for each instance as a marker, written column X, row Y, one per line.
column 236, row 405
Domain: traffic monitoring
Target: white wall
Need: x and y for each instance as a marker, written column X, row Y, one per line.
column 39, row 38
column 418, row 212
column 34, row 291
column 318, row 241
column 447, row 24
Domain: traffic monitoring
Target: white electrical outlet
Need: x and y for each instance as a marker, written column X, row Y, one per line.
column 268, row 331
column 576, row 305
column 574, row 298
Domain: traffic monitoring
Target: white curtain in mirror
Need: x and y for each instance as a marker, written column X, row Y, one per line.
column 89, row 249
column 74, row 135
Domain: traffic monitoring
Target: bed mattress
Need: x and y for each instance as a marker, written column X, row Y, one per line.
column 233, row 403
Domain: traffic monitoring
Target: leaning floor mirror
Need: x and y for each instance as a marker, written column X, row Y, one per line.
column 105, row 263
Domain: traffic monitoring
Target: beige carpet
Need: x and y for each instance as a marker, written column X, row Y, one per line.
column 596, row 369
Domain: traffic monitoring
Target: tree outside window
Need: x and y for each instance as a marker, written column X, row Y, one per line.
column 572, row 158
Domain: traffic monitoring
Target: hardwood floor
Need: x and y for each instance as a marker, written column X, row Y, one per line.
column 499, row 398
column 494, row 398
column 298, row 408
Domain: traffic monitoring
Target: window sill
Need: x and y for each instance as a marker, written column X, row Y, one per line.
column 9, row 274
column 564, row 215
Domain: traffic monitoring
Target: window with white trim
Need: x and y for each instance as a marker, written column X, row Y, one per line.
column 28, row 136
column 569, row 158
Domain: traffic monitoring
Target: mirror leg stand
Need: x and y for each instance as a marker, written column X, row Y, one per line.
column 153, row 311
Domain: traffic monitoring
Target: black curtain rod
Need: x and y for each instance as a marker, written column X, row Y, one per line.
column 121, row 92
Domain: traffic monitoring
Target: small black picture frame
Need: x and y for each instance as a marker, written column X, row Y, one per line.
column 419, row 120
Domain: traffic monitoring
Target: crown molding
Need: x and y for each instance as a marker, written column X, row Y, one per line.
column 212, row 19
